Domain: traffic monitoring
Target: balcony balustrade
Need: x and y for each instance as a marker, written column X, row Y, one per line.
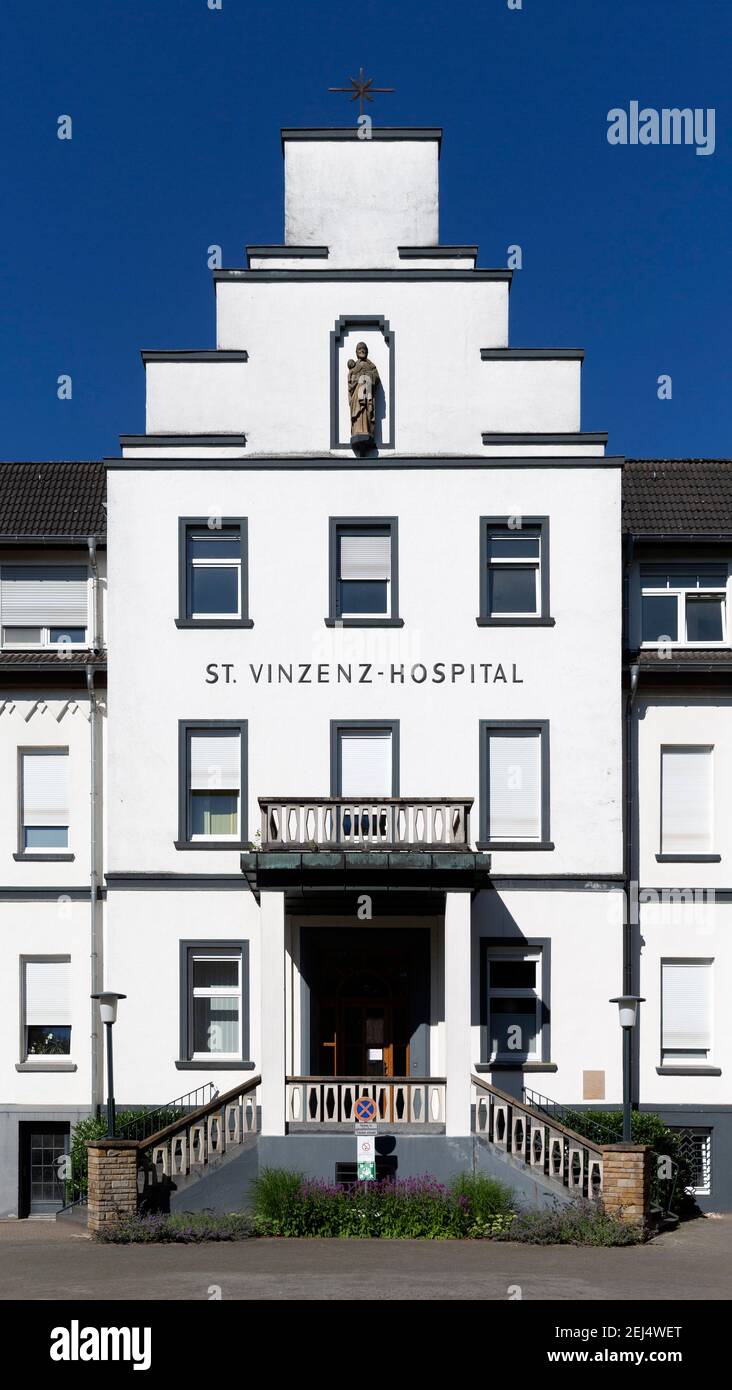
column 365, row 823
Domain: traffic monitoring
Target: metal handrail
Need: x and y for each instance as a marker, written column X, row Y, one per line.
column 191, row 1101
column 194, row 1116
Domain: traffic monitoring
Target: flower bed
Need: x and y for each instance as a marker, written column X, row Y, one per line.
column 186, row 1229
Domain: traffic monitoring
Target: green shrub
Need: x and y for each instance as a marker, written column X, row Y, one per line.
column 580, row 1223
column 91, row 1127
column 286, row 1204
column 645, row 1128
column 186, row 1228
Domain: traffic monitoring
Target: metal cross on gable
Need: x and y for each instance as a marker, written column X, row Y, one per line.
column 361, row 89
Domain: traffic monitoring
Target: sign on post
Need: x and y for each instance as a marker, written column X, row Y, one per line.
column 365, row 1125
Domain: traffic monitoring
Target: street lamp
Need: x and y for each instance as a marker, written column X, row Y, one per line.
column 627, row 1016
column 108, row 1000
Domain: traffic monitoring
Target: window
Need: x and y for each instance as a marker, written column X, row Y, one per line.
column 514, row 785
column 44, row 605
column 515, row 1001
column 213, row 784
column 363, row 572
column 213, row 573
column 44, row 801
column 46, row 1008
column 686, row 1012
column 365, row 759
column 686, row 606
column 687, row 803
column 514, row 571
column 695, row 1145
column 214, row 1002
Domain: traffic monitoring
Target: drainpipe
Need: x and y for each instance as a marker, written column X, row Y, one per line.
column 94, row 953
column 630, row 795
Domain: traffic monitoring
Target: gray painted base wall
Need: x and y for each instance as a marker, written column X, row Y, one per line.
column 10, row 1118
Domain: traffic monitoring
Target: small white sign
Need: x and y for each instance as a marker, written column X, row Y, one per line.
column 376, row 1054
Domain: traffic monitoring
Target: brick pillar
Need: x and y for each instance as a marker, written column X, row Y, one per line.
column 626, row 1182
column 112, row 1180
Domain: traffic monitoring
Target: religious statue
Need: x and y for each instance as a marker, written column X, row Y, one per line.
column 363, row 379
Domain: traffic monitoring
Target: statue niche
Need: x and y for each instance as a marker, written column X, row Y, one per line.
column 363, row 382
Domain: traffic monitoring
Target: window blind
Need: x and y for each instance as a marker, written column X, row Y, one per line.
column 215, row 761
column 366, row 764
column 366, row 557
column 45, row 789
column 514, row 786
column 686, row 800
column 44, row 595
column 47, row 992
column 686, row 1005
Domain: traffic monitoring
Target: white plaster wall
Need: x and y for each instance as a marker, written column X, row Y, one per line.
column 567, row 673
column 196, row 397
column 687, row 719
column 145, row 929
column 542, row 395
column 585, row 930
column 361, row 198
column 442, row 403
column 700, row 929
column 37, row 927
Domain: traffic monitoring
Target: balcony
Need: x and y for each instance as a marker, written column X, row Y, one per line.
column 345, row 823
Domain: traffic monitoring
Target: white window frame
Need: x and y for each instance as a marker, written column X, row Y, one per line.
column 708, row 749
column 44, row 642
column 701, row 1057
column 509, row 953
column 45, row 1060
column 234, row 838
column 346, row 530
column 680, row 592
column 214, row 562
column 216, row 992
column 529, row 532
column 41, row 851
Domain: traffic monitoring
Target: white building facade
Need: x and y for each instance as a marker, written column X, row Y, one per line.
column 365, row 776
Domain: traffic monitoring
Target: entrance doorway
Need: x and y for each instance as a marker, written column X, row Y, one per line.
column 42, row 1146
column 367, row 996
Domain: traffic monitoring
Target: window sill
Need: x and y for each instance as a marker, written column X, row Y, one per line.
column 515, row 1066
column 45, row 1065
column 689, row 1071
column 688, row 858
column 534, row 621
column 26, row 858
column 214, row 622
column 514, row 844
column 183, row 1064
column 237, row 845
column 364, row 622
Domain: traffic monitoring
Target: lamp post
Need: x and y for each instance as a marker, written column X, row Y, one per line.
column 108, row 1001
column 627, row 1016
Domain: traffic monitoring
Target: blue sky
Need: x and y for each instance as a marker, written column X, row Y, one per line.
column 176, row 114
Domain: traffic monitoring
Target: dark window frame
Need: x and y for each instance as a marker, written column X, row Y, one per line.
column 542, row 727
column 339, row 525
column 186, row 524
column 185, row 728
column 353, row 725
column 527, row 944
column 188, row 948
column 61, row 1061
column 542, row 618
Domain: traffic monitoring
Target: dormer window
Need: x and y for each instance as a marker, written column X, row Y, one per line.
column 684, row 606
column 44, row 606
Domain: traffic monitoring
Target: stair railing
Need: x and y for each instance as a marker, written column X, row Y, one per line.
column 203, row 1134
column 546, row 1146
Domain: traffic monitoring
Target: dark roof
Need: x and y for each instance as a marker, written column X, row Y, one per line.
column 48, row 501
column 678, row 497
column 49, row 659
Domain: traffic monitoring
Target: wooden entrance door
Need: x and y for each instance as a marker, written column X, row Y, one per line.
column 364, row 1038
